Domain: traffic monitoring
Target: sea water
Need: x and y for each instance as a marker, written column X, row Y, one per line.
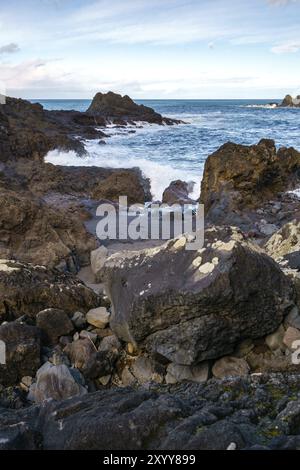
column 166, row 153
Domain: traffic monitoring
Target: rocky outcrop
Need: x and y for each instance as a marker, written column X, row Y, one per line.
column 290, row 102
column 26, row 290
column 26, row 131
column 188, row 306
column 114, row 107
column 178, row 193
column 238, row 178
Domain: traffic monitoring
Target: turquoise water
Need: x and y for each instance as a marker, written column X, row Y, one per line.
column 166, row 153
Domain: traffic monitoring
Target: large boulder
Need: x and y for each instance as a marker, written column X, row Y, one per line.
column 22, row 352
column 178, row 193
column 26, row 290
column 188, row 305
column 238, row 177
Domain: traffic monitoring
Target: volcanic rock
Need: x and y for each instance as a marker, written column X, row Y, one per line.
column 22, row 348
column 26, row 290
column 238, row 177
column 188, row 306
column 117, row 108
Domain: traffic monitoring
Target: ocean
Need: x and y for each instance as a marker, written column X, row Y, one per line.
column 166, row 153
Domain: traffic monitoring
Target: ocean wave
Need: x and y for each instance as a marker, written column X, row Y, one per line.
column 263, row 106
column 109, row 156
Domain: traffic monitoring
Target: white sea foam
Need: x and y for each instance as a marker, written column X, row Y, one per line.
column 295, row 192
column 264, row 106
column 118, row 156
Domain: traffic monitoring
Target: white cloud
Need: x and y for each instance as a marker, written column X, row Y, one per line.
column 281, row 2
column 287, row 48
column 9, row 48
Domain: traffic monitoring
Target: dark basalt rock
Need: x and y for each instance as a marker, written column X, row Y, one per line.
column 290, row 102
column 22, row 344
column 26, row 131
column 255, row 412
column 178, row 193
column 121, row 109
column 26, row 290
column 189, row 307
column 238, row 178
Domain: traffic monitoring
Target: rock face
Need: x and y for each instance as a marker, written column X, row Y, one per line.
column 239, row 177
column 27, row 289
column 22, row 346
column 124, row 183
column 26, row 131
column 188, row 306
column 113, row 106
column 178, row 193
column 31, row 231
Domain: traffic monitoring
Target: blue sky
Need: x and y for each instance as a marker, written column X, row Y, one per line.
column 150, row 48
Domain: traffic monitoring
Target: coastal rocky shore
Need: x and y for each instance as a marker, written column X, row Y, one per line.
column 289, row 102
column 143, row 347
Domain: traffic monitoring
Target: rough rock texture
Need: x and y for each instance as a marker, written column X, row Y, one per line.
column 285, row 245
column 54, row 323
column 92, row 363
column 56, row 382
column 111, row 106
column 188, row 306
column 252, row 411
column 94, row 182
column 124, row 183
column 26, row 290
column 22, row 346
column 27, row 132
column 178, row 193
column 238, row 177
column 31, row 231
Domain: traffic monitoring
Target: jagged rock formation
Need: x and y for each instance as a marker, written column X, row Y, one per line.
column 290, row 102
column 238, row 178
column 112, row 106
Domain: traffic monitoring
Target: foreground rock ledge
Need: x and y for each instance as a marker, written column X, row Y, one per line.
column 251, row 412
column 188, row 306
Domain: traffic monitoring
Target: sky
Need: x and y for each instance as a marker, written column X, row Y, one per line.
column 184, row 49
